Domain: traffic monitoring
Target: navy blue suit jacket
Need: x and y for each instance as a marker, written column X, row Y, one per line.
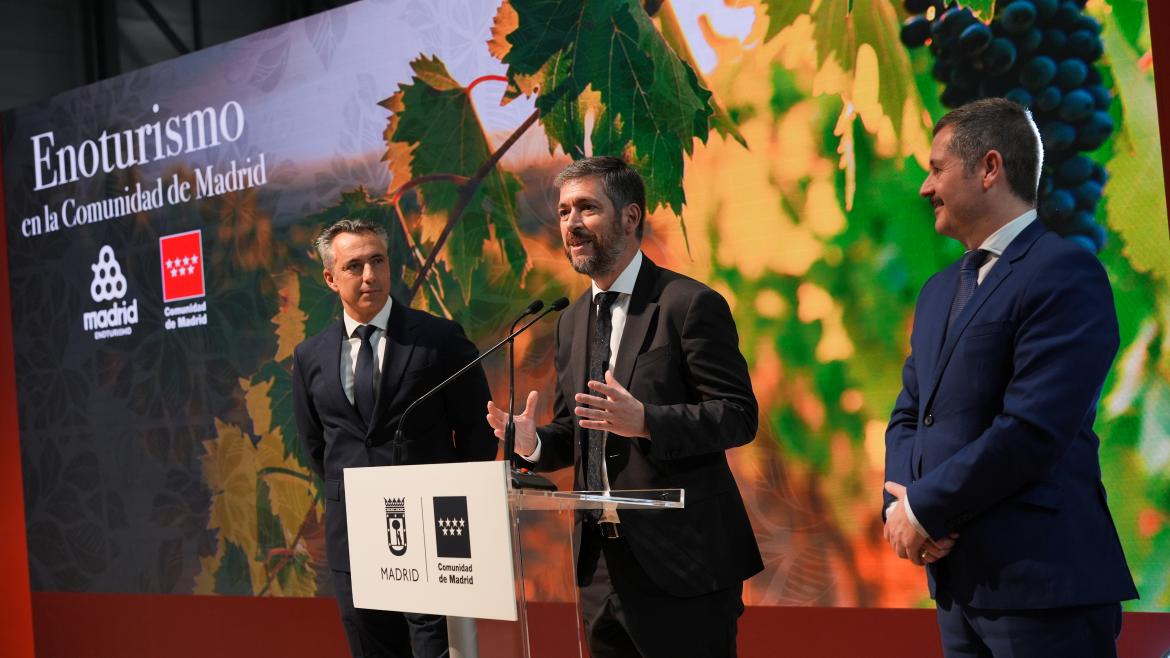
column 993, row 430
column 421, row 351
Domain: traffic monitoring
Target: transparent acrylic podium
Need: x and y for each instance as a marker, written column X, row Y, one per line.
column 544, row 563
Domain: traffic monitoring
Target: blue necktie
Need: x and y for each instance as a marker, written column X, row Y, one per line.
column 598, row 364
column 363, row 374
column 968, row 282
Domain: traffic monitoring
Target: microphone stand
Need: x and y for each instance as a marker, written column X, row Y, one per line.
column 510, row 426
column 520, row 476
column 531, row 480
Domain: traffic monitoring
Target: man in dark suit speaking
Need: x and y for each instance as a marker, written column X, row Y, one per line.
column 351, row 383
column 651, row 390
column 993, row 475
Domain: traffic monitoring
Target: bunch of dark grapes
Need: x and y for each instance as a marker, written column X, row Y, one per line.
column 1040, row 54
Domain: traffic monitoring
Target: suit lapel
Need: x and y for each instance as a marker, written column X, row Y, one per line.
column 999, row 272
column 399, row 348
column 579, row 356
column 933, row 323
column 577, row 318
column 334, row 342
column 639, row 316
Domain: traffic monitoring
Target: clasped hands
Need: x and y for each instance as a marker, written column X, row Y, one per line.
column 905, row 539
column 613, row 409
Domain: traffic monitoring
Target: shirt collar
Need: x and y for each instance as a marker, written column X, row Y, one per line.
column 997, row 242
column 624, row 284
column 380, row 320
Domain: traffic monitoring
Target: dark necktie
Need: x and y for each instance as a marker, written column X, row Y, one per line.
column 968, row 282
column 363, row 374
column 598, row 364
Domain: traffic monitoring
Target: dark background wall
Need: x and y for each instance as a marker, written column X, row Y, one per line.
column 51, row 46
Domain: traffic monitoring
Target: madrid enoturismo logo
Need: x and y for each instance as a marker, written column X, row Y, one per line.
column 109, row 285
column 108, row 282
column 396, row 525
column 452, row 529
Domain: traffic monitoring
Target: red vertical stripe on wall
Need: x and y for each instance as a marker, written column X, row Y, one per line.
column 1160, row 27
column 16, row 629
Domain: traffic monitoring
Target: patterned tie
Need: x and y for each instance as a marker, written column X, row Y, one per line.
column 363, row 374
column 598, row 364
column 968, row 282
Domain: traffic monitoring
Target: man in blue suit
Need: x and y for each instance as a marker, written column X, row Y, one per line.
column 993, row 477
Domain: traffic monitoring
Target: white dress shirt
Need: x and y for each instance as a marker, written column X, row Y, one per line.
column 351, row 344
column 995, row 243
column 624, row 286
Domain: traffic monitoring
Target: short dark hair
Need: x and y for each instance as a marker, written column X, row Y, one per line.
column 324, row 241
column 997, row 124
column 623, row 186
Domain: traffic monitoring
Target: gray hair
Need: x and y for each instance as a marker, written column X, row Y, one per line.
column 324, row 241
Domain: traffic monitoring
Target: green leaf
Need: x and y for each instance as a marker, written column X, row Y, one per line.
column 320, row 304
column 233, row 577
column 876, row 24
column 269, row 533
column 841, row 28
column 782, row 13
column 1131, row 19
column 984, row 9
column 1153, row 577
column 435, row 122
column 282, row 407
column 1135, row 197
column 649, row 103
column 672, row 32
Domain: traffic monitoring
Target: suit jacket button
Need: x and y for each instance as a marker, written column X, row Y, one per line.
column 929, row 420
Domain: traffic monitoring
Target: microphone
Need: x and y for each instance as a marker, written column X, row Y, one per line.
column 532, row 308
column 399, row 449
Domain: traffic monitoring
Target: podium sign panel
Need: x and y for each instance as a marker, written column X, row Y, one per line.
column 433, row 539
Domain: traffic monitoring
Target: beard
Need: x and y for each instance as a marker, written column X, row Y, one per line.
column 607, row 247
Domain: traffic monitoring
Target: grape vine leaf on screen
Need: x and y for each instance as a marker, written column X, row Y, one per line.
column 434, row 131
column 605, row 62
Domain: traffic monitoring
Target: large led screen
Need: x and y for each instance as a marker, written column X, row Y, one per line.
column 159, row 227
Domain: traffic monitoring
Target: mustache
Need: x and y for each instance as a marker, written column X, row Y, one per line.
column 581, row 233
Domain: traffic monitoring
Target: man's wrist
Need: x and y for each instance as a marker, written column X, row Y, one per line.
column 534, row 456
column 913, row 519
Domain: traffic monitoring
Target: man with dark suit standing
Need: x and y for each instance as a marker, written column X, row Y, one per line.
column 351, row 383
column 651, row 390
column 994, row 481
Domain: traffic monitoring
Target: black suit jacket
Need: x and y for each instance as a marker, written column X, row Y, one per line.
column 679, row 356
column 421, row 351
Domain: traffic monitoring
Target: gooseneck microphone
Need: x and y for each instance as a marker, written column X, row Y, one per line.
column 399, row 455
